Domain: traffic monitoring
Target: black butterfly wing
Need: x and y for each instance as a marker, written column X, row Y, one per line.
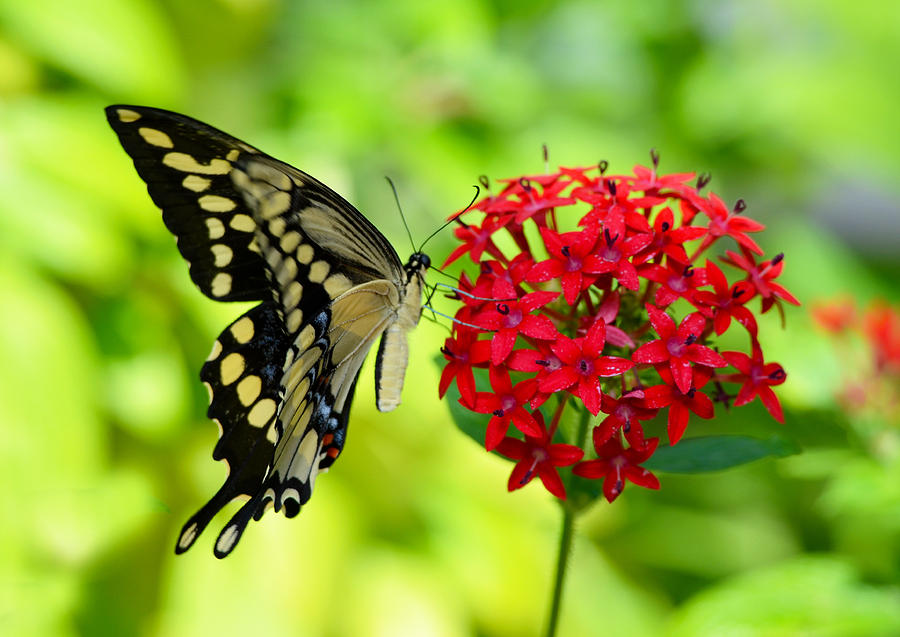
column 186, row 166
column 243, row 375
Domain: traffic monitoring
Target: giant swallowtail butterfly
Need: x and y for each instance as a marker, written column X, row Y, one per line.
column 281, row 377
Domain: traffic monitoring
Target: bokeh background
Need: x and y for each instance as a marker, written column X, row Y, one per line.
column 104, row 448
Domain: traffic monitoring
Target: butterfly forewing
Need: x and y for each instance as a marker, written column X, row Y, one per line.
column 282, row 376
column 186, row 166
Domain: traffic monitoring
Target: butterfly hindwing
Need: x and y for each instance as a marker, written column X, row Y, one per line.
column 318, row 390
column 243, row 374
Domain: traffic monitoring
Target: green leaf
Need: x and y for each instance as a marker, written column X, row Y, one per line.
column 714, row 453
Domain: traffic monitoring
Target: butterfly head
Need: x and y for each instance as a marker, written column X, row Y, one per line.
column 418, row 263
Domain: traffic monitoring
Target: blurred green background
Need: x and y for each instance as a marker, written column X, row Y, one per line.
column 104, row 448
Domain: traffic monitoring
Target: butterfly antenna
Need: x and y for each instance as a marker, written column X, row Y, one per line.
column 457, row 321
column 442, row 273
column 402, row 216
column 453, row 218
column 471, row 296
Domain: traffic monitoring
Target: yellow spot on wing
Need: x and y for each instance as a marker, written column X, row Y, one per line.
column 221, row 284
column 196, row 183
column 242, row 330
column 231, row 368
column 216, row 350
column 287, row 271
column 290, row 241
column 306, row 337
column 305, row 253
column 318, row 271
column 232, row 154
column 186, row 163
column 292, row 294
column 294, row 319
column 156, row 137
column 188, row 536
column 226, row 541
column 127, row 115
column 222, row 254
column 261, row 412
column 276, row 226
column 244, row 223
column 273, row 176
column 216, row 228
column 248, row 390
column 216, row 203
column 336, row 285
column 275, row 204
column 288, row 360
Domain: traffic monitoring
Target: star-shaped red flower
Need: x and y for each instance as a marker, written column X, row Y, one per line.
column 680, row 404
column 582, row 366
column 725, row 222
column 757, row 377
column 569, row 252
column 615, row 464
column 536, row 456
column 510, row 318
column 762, row 276
column 725, row 303
column 613, row 256
column 678, row 346
column 676, row 280
column 625, row 414
column 669, row 240
column 506, row 404
column 476, row 240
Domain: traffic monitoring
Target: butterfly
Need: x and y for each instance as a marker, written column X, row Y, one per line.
column 281, row 377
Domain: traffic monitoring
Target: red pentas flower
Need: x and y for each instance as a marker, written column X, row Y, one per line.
column 564, row 266
column 570, row 253
column 625, row 415
column 867, row 346
column 615, row 464
column 756, row 378
column 724, row 303
column 725, row 222
column 881, row 325
column 676, row 280
column 677, row 346
column 762, row 276
column 681, row 403
column 506, row 404
column 582, row 366
column 509, row 318
column 537, row 456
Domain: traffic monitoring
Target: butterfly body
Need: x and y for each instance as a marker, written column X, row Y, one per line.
column 282, row 376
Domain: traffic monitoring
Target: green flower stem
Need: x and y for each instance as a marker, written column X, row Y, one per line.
column 565, row 540
column 562, row 559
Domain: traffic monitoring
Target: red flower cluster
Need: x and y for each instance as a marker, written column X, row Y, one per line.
column 579, row 274
column 873, row 380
